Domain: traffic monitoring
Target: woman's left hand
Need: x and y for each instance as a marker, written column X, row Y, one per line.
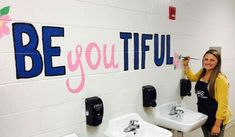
column 215, row 130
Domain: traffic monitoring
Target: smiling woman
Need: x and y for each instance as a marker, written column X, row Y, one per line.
column 212, row 93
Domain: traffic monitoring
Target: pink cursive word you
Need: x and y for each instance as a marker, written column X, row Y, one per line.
column 92, row 48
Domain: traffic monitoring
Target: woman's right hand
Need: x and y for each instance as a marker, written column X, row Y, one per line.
column 186, row 60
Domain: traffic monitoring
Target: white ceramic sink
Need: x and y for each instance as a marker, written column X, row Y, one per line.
column 188, row 121
column 117, row 125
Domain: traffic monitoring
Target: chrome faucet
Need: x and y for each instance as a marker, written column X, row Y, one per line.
column 132, row 127
column 176, row 110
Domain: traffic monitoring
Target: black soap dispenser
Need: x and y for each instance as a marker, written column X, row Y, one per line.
column 149, row 96
column 185, row 87
column 94, row 111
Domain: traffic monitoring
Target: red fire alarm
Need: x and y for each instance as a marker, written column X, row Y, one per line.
column 172, row 12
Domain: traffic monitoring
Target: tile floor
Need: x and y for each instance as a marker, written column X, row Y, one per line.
column 230, row 132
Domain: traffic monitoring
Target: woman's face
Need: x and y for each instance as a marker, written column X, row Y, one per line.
column 209, row 61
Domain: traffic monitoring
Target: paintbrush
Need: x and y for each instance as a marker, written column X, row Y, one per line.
column 182, row 57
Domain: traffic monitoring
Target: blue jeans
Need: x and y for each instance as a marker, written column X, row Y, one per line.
column 207, row 133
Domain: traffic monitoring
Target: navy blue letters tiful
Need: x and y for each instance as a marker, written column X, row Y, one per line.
column 159, row 49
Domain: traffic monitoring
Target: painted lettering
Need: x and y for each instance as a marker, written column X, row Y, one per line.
column 88, row 55
column 94, row 55
column 125, row 36
column 78, row 65
column 110, row 64
column 158, row 60
column 161, row 50
column 72, row 67
column 49, row 51
column 144, row 48
column 169, row 59
column 136, row 51
column 30, row 50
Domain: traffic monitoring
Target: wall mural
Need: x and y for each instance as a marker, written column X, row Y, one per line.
column 75, row 62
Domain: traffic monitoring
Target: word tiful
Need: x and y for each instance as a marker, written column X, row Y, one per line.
column 162, row 46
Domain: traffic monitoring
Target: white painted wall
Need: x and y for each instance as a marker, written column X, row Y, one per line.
column 43, row 106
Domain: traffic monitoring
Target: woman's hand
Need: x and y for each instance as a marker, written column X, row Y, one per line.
column 186, row 61
column 215, row 130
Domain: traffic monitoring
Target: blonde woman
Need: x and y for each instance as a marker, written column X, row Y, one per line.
column 212, row 93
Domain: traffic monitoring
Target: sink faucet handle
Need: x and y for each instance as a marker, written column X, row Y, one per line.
column 132, row 122
column 178, row 105
column 179, row 109
column 175, row 106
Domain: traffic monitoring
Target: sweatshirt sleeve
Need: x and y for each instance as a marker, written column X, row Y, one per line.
column 191, row 76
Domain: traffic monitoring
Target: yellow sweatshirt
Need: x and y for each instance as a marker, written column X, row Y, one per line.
column 221, row 94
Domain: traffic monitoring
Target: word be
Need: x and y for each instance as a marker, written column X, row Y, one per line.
column 30, row 50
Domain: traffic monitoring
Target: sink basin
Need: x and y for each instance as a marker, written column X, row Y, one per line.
column 188, row 121
column 117, row 125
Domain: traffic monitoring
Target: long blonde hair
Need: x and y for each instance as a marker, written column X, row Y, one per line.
column 215, row 71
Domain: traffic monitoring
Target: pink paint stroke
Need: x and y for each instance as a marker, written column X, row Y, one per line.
column 111, row 63
column 4, row 30
column 72, row 67
column 88, row 55
column 176, row 61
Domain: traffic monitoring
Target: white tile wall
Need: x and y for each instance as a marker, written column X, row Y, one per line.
column 43, row 106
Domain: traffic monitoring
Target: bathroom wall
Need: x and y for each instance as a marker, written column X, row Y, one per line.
column 54, row 54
